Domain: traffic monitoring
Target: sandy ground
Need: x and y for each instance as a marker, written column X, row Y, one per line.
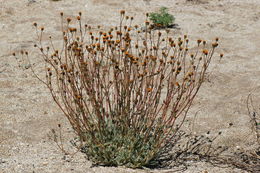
column 27, row 112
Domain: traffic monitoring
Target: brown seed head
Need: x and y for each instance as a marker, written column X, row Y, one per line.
column 148, row 89
column 117, row 41
column 68, row 20
column 205, row 51
column 173, row 45
column 190, row 74
column 122, row 12
column 214, row 45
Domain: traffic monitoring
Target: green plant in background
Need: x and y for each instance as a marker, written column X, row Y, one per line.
column 123, row 91
column 162, row 19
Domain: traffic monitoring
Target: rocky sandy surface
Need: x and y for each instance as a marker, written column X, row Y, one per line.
column 27, row 112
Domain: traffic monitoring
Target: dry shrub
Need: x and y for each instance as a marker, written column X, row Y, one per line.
column 123, row 90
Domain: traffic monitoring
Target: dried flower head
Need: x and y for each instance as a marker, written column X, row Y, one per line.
column 148, row 89
column 205, row 52
column 214, row 44
column 122, row 12
column 68, row 20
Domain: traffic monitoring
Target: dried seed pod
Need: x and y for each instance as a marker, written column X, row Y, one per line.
column 205, row 52
column 214, row 45
column 68, row 20
column 122, row 12
column 149, row 89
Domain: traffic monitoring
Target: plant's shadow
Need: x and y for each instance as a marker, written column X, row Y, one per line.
column 186, row 149
column 172, row 26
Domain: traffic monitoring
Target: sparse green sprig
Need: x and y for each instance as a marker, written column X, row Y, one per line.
column 162, row 19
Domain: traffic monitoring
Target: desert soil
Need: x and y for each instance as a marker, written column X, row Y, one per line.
column 27, row 112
